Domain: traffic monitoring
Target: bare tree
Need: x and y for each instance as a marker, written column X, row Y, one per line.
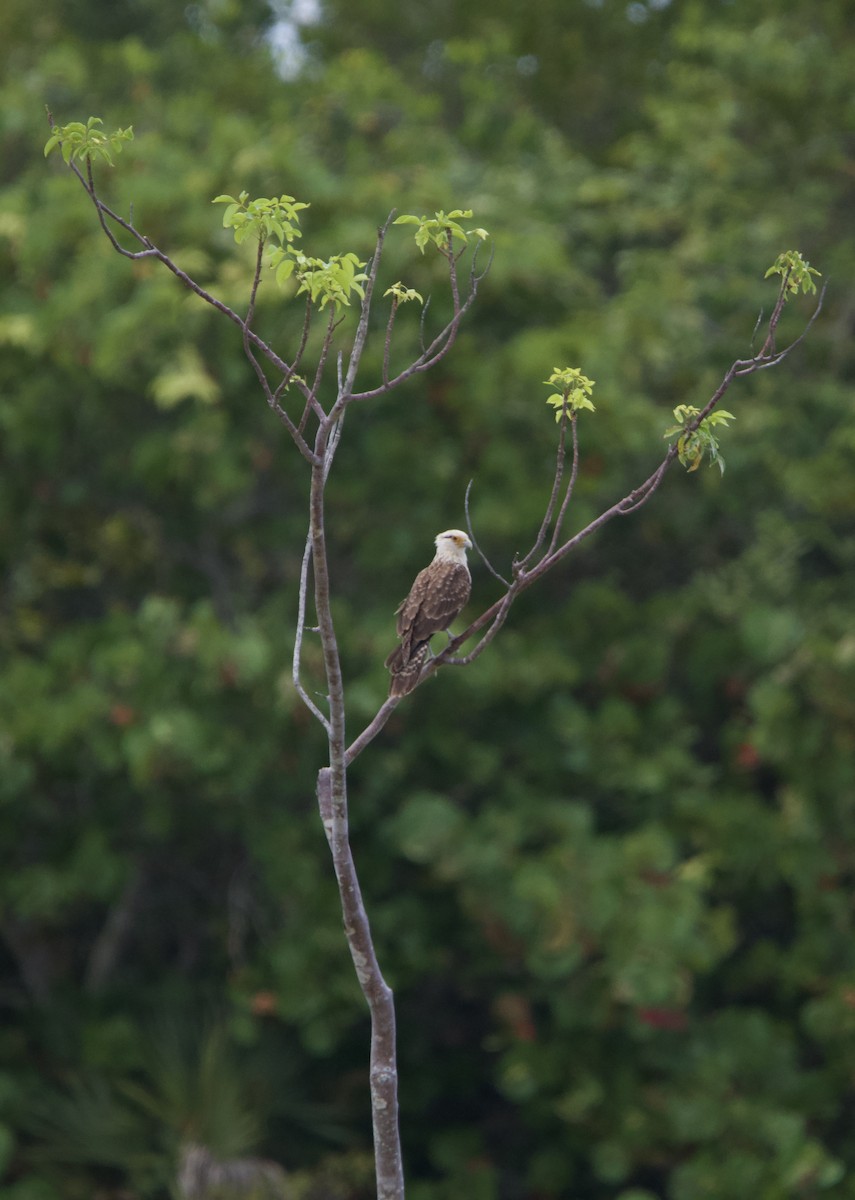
column 316, row 426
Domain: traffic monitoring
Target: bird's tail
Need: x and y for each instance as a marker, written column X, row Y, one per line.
column 405, row 671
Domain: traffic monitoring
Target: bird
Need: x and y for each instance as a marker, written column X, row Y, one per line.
column 438, row 594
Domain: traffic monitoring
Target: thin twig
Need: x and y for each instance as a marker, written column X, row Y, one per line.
column 304, row 337
column 452, row 273
column 502, row 608
column 475, row 276
column 345, row 391
column 769, row 344
column 752, row 365
column 571, row 484
column 474, row 542
column 150, row 250
column 332, row 443
column 253, row 292
column 756, row 327
column 387, row 345
column 422, row 320
column 298, row 638
column 325, row 349
column 440, row 345
column 521, row 564
column 429, row 358
column 272, row 399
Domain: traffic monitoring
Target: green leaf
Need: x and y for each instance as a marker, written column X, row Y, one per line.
column 795, row 271
column 275, row 219
column 82, row 142
column 440, row 228
column 694, row 443
column 285, row 270
column 577, row 389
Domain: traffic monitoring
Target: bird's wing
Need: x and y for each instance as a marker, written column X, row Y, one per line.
column 436, row 597
column 408, row 609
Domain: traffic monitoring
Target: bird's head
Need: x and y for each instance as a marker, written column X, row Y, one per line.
column 453, row 543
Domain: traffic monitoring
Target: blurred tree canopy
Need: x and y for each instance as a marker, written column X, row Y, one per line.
column 610, row 867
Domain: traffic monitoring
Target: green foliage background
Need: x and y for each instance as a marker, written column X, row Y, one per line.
column 610, row 866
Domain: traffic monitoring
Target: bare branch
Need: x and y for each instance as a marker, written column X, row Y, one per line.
column 441, row 344
column 251, row 340
column 272, row 399
column 256, row 280
column 298, row 638
column 571, row 484
column 332, row 325
column 757, row 325
column 429, row 358
column 642, row 494
column 389, row 1172
column 332, row 444
column 387, row 346
column 346, row 390
column 769, row 344
column 312, row 403
column 332, row 802
column 304, row 337
column 475, row 276
column 422, row 320
column 271, row 396
column 150, row 250
column 779, row 355
column 371, row 730
column 103, row 212
column 553, row 495
column 452, row 272
column 499, row 616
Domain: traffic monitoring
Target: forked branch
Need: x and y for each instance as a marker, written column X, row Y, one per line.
column 491, row 620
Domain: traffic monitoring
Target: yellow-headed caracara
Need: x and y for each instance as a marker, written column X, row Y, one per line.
column 438, row 594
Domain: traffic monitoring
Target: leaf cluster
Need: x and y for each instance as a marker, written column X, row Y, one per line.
column 326, row 281
column 81, row 143
column 697, row 439
column 442, row 229
column 796, row 273
column 575, row 393
column 402, row 294
column 262, row 218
